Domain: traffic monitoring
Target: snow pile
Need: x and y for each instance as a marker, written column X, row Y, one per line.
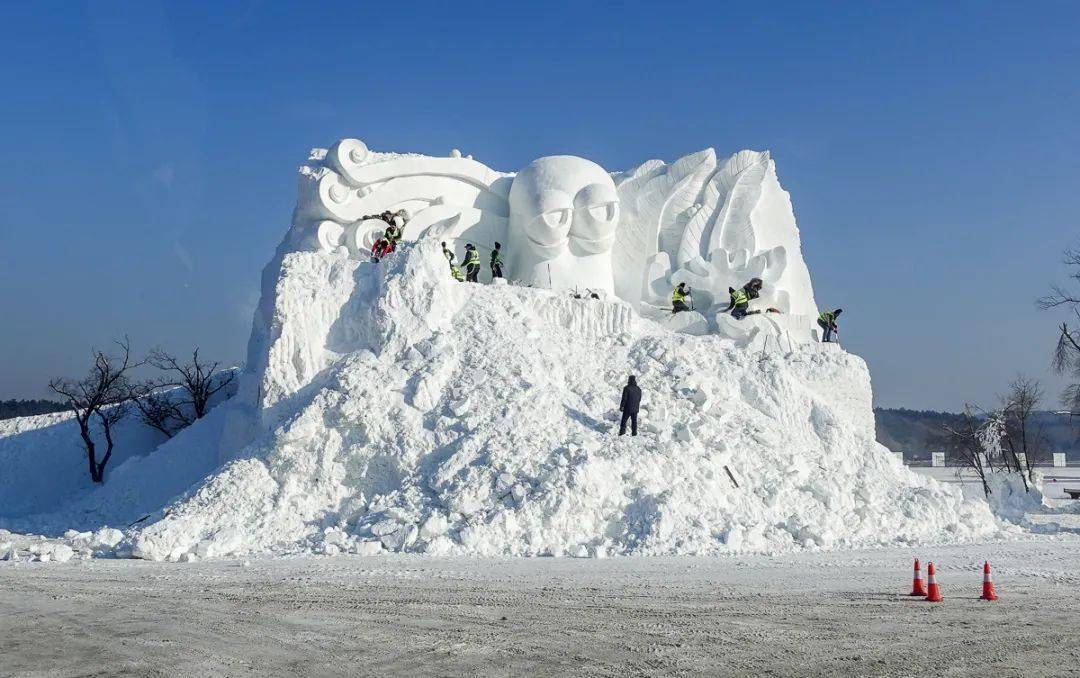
column 73, row 545
column 1010, row 498
column 45, row 487
column 388, row 407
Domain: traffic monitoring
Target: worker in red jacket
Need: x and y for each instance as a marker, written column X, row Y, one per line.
column 381, row 248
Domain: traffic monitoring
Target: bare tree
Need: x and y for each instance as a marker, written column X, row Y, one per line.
column 183, row 395
column 1067, row 350
column 975, row 440
column 1023, row 439
column 101, row 395
column 156, row 409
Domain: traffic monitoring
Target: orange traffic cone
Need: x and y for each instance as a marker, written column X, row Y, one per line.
column 988, row 584
column 917, row 588
column 934, row 593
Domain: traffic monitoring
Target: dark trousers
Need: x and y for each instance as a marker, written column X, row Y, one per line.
column 827, row 337
column 496, row 271
column 471, row 272
column 632, row 416
column 679, row 306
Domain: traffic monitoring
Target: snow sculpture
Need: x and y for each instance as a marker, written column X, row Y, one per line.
column 567, row 223
column 563, row 215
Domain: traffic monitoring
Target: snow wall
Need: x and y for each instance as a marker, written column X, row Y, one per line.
column 385, row 406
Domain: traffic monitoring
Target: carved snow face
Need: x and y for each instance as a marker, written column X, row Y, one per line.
column 564, row 202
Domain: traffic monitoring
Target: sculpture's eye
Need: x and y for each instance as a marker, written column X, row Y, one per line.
column 558, row 218
column 605, row 212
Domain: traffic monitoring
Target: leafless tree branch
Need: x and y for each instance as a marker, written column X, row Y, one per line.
column 101, row 395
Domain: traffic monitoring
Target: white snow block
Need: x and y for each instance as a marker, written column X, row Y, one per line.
column 687, row 322
column 106, row 538
column 62, row 553
column 937, row 459
column 1059, row 460
column 434, row 526
column 369, row 548
column 683, row 433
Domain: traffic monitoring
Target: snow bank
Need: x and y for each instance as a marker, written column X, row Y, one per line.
column 44, row 464
column 449, row 418
column 45, row 487
column 1010, row 498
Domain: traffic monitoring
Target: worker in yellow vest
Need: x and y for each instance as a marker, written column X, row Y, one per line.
column 472, row 263
column 741, row 298
column 679, row 297
column 827, row 322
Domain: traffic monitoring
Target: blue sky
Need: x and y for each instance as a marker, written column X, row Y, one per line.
column 148, row 153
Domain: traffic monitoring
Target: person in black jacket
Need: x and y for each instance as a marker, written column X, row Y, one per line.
column 496, row 261
column 631, row 402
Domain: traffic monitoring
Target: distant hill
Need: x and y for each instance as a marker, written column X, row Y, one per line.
column 26, row 408
column 914, row 432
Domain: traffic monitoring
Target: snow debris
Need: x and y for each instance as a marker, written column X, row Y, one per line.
column 62, row 553
column 106, row 538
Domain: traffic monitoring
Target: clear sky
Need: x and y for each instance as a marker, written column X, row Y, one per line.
column 148, row 152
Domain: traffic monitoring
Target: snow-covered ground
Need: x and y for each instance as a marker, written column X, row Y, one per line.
column 814, row 614
column 1054, row 479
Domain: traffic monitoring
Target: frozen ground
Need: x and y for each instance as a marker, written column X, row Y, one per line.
column 822, row 614
column 1055, row 480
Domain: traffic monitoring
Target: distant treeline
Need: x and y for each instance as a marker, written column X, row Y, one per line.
column 917, row 433
column 26, row 408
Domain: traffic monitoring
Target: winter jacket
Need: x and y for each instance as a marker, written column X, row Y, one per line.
column 827, row 319
column 381, row 248
column 631, row 398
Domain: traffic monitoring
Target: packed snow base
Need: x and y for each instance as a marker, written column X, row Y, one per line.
column 451, row 418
